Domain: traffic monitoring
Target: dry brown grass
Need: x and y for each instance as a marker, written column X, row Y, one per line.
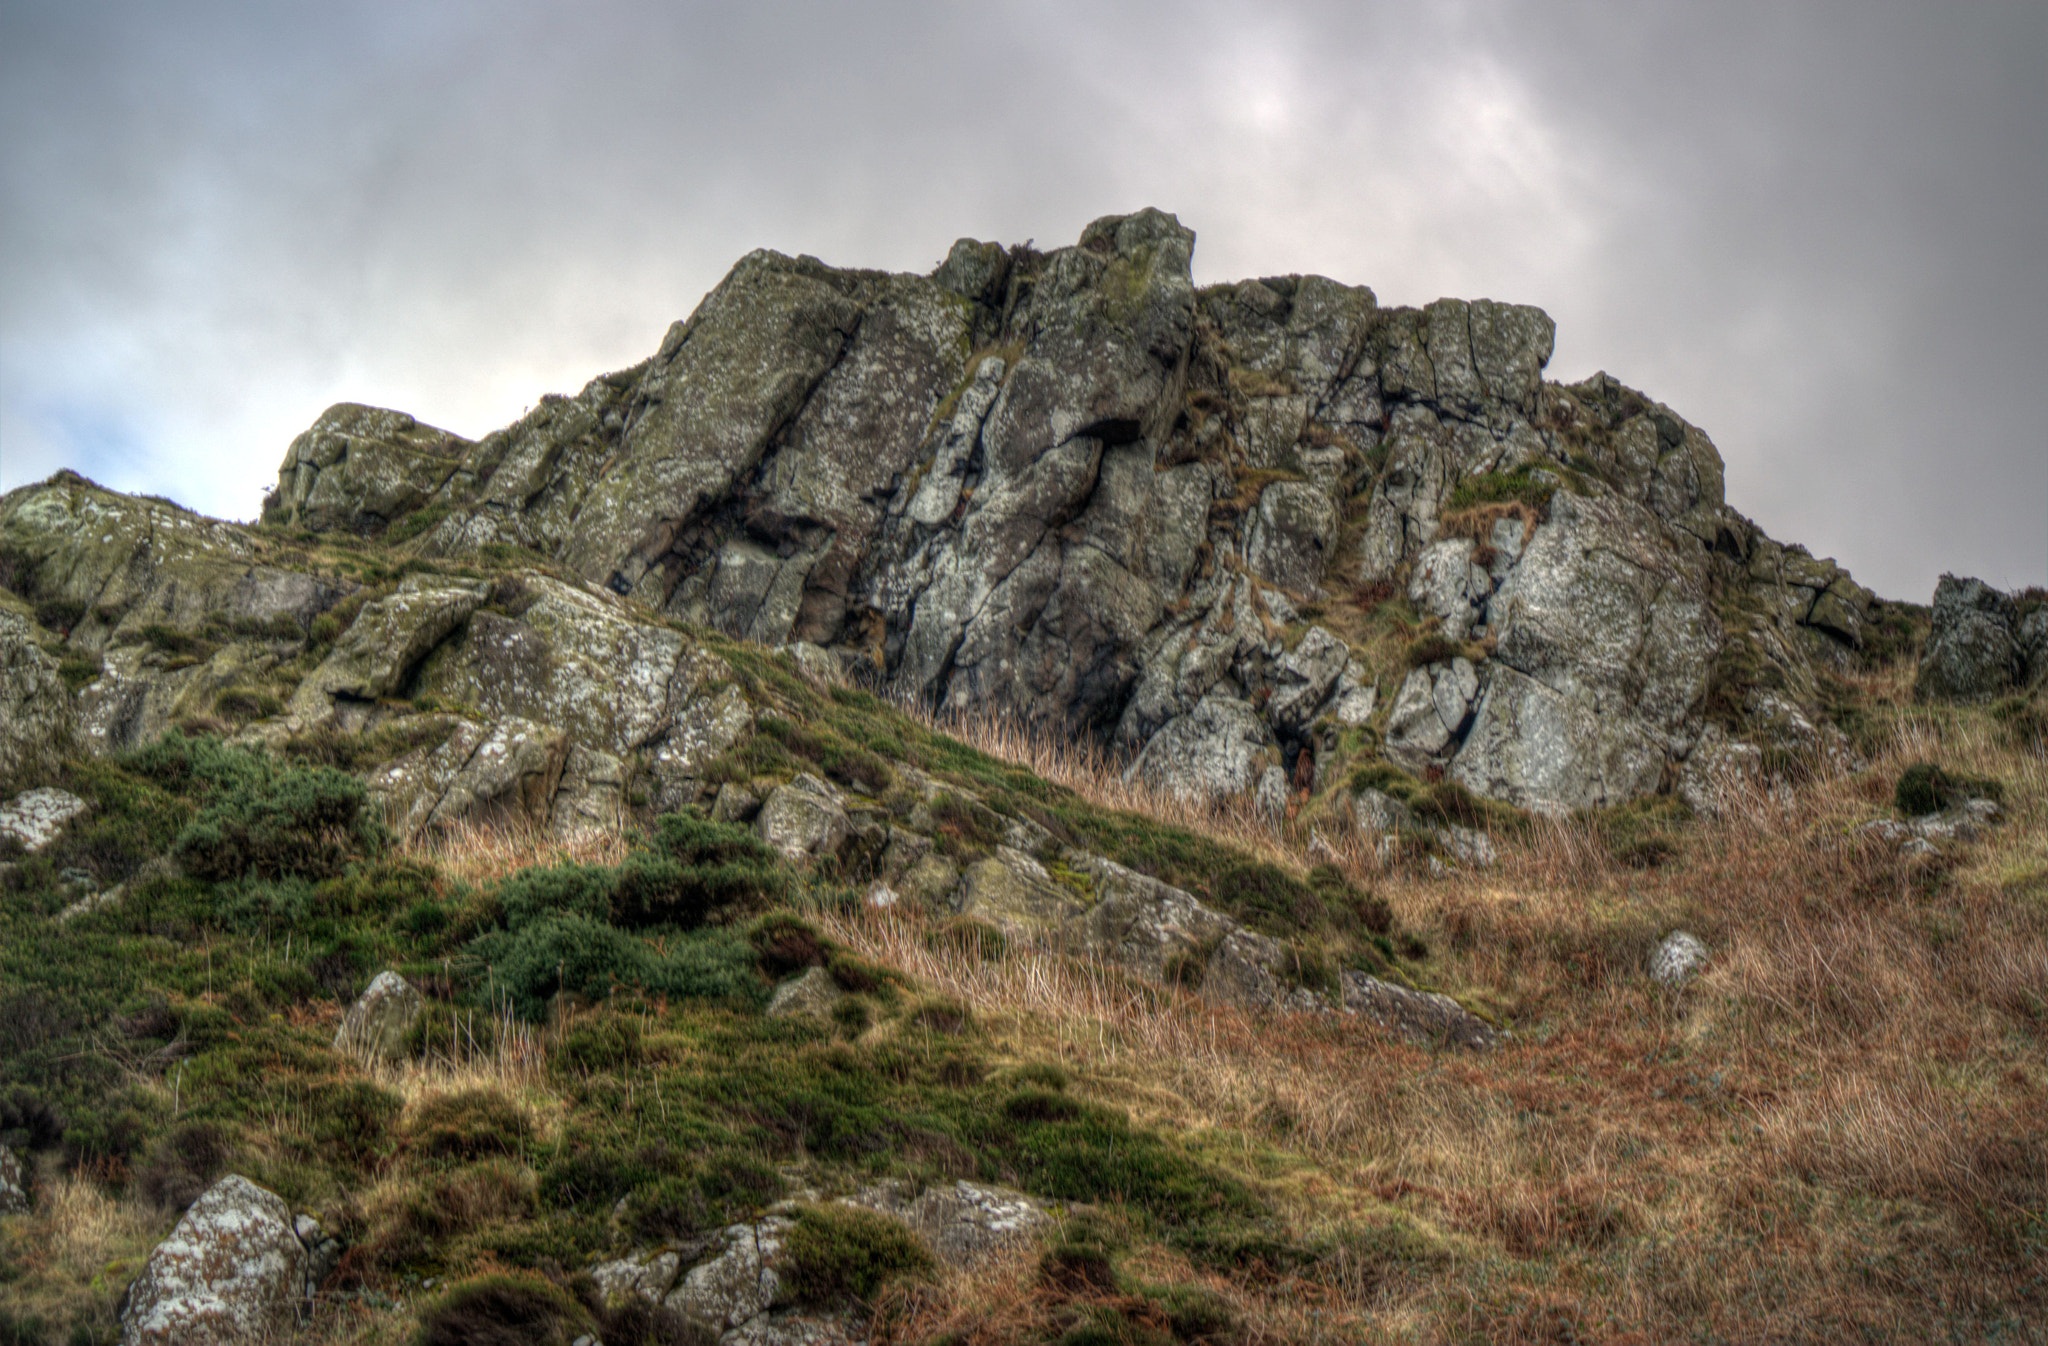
column 481, row 852
column 1840, row 1130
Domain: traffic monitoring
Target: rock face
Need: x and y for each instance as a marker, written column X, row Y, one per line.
column 376, row 1025
column 1982, row 643
column 230, row 1274
column 1064, row 486
column 38, row 723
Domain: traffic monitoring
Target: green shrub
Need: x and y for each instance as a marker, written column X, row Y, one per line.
column 708, row 1196
column 1388, row 779
column 1925, row 787
column 837, row 1254
column 503, row 1309
column 786, row 943
column 273, row 822
column 1434, row 648
column 591, row 959
column 532, row 895
column 1495, row 488
column 469, row 1124
column 606, row 1042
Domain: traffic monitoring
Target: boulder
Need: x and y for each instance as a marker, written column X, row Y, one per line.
column 649, row 1275
column 231, row 1274
column 1303, row 679
column 812, row 995
column 507, row 771
column 1016, row 894
column 1431, row 712
column 739, row 1281
column 35, row 817
column 1718, row 771
column 1215, row 751
column 1679, row 955
column 387, row 640
column 1141, row 922
column 359, row 468
column 38, row 723
column 1973, row 653
column 804, row 820
column 1291, row 535
column 375, row 1026
column 13, row 1184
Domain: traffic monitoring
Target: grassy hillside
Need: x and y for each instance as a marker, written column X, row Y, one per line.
column 1838, row 1131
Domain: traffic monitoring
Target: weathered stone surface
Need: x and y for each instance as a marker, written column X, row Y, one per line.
column 1718, row 772
column 13, row 1183
column 360, row 468
column 1605, row 640
column 376, row 1024
column 962, row 1223
column 1013, row 892
column 649, row 1275
column 35, row 817
column 1214, row 751
column 387, row 640
column 1291, row 536
column 812, row 995
column 1304, row 678
column 38, row 723
column 1448, row 585
column 1973, row 653
column 1140, row 922
column 739, row 1281
column 1421, row 1015
column 1679, row 955
column 230, row 1274
column 1431, row 712
column 804, row 820
column 506, row 771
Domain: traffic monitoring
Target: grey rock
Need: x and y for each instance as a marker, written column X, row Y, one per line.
column 1431, row 712
column 1678, row 957
column 735, row 804
column 1303, row 678
column 1215, row 751
column 649, row 1275
column 1270, row 800
column 1291, row 535
column 230, row 1274
column 38, row 722
column 1972, row 649
column 804, row 820
column 13, row 1184
column 376, row 1024
column 739, row 1282
column 1718, row 771
column 360, row 468
column 812, row 995
column 1448, row 585
column 1423, row 1016
column 1140, row 922
column 387, row 640
column 506, row 771
column 1015, row 893
column 36, row 817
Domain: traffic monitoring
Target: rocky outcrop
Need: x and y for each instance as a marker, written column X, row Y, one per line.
column 1982, row 643
column 1065, row 486
column 231, row 1274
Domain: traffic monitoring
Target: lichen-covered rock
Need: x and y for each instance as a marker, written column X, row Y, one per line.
column 1431, row 712
column 739, row 1281
column 1215, row 751
column 38, row 723
column 649, row 1275
column 360, row 468
column 13, row 1184
column 35, row 817
column 1015, row 893
column 1973, row 653
column 1679, row 955
column 230, row 1274
column 376, row 1024
column 804, row 820
column 1605, row 639
column 1424, row 1016
column 1291, row 535
column 1140, row 922
column 812, row 995
column 507, row 771
column 387, row 640
column 1718, row 771
column 1303, row 679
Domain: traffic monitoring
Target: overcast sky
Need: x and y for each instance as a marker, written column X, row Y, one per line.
column 1815, row 230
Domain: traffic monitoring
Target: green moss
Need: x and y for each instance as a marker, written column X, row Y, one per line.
column 841, row 1254
column 1520, row 485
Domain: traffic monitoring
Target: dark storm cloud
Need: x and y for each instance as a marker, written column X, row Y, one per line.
column 1815, row 231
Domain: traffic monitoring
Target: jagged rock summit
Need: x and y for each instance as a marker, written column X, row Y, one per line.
column 1247, row 534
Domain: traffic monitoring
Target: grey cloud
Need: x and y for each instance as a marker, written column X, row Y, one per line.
column 1813, row 229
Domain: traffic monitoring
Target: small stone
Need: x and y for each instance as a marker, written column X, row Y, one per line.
column 1677, row 959
column 13, row 1184
column 881, row 896
column 811, row 995
column 35, row 817
column 376, row 1025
